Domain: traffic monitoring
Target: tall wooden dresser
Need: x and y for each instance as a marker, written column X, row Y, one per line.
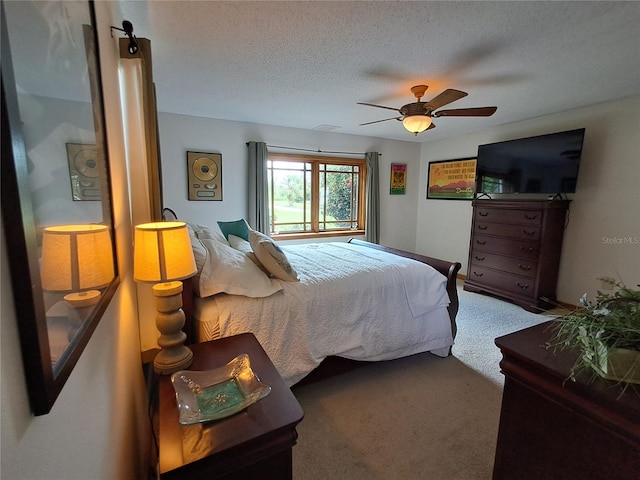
column 515, row 250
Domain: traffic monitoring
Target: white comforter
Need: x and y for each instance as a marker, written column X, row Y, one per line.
column 396, row 309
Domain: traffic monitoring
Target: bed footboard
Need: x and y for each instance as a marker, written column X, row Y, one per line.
column 448, row 269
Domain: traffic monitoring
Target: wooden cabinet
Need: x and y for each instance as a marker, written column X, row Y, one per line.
column 515, row 250
column 553, row 428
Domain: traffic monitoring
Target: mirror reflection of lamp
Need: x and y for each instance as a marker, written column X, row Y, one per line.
column 77, row 260
column 163, row 256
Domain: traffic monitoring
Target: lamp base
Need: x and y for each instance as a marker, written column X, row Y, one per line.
column 87, row 298
column 166, row 364
column 173, row 355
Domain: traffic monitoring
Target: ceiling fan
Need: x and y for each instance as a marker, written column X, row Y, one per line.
column 417, row 116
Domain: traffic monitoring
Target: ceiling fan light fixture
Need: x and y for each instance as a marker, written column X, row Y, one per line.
column 416, row 123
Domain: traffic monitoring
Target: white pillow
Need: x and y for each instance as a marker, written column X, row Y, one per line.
column 243, row 246
column 272, row 257
column 199, row 252
column 196, row 233
column 230, row 271
column 205, row 232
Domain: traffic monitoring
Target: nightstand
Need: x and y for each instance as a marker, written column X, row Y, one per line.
column 253, row 444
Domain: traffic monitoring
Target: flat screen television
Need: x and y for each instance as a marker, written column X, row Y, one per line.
column 545, row 164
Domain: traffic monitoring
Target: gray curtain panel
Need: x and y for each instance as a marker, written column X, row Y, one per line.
column 258, row 193
column 372, row 227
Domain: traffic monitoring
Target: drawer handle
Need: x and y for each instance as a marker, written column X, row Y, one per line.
column 530, row 217
column 481, row 242
column 482, row 227
column 522, row 267
column 483, row 214
column 531, row 234
column 478, row 274
column 480, row 259
column 523, row 287
column 526, row 249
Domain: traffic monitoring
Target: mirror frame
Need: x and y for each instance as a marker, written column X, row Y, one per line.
column 44, row 383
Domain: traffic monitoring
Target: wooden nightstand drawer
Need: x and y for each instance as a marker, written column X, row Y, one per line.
column 494, row 215
column 506, row 246
column 517, row 266
column 523, row 232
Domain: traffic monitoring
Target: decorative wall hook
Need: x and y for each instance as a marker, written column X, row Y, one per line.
column 127, row 28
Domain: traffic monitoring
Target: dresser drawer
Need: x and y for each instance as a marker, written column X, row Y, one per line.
column 504, row 281
column 506, row 246
column 524, row 232
column 523, row 217
column 518, row 266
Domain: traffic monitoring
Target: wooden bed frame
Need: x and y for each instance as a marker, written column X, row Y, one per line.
column 334, row 365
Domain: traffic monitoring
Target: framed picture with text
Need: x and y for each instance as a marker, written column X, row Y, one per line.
column 452, row 179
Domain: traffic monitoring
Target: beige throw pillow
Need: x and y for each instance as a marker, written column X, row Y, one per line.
column 272, row 257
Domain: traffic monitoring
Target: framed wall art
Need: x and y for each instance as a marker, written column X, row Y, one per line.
column 84, row 171
column 452, row 179
column 204, row 173
column 398, row 178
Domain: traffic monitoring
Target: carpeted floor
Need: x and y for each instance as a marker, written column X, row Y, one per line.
column 420, row 417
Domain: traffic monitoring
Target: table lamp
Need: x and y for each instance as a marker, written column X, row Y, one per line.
column 78, row 260
column 163, row 256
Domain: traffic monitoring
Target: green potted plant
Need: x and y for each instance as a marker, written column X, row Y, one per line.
column 605, row 332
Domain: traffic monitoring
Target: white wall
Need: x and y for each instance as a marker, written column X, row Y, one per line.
column 180, row 133
column 57, row 122
column 603, row 234
column 98, row 427
column 602, row 238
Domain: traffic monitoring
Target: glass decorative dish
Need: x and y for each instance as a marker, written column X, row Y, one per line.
column 208, row 395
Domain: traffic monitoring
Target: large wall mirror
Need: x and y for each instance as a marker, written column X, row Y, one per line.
column 56, row 204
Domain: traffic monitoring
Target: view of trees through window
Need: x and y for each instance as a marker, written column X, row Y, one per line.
column 314, row 194
column 492, row 184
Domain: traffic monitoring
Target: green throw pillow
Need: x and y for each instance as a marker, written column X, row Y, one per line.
column 239, row 228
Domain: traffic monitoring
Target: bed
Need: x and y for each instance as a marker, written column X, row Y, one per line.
column 348, row 300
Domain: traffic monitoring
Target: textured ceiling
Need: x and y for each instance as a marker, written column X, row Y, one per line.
column 307, row 64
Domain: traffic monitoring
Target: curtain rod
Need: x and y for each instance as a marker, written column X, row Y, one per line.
column 318, row 151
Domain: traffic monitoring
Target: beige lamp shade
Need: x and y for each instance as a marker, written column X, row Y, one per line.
column 76, row 258
column 416, row 123
column 162, row 252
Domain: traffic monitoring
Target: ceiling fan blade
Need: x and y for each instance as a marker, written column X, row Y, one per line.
column 378, row 121
column 448, row 96
column 379, row 106
column 433, row 125
column 467, row 112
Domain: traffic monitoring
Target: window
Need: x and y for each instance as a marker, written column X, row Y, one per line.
column 492, row 184
column 314, row 195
